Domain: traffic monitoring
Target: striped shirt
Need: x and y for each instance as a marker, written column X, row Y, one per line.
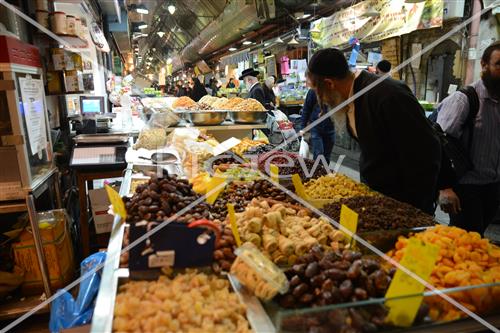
column 485, row 147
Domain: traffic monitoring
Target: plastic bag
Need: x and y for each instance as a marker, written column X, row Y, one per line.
column 65, row 311
column 304, row 148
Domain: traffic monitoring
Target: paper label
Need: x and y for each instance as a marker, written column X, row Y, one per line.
column 214, row 188
column 299, row 187
column 33, row 98
column 349, row 220
column 234, row 226
column 275, row 173
column 117, row 202
column 161, row 259
column 225, row 146
column 419, row 258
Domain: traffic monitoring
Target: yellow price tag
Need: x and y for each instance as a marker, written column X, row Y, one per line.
column 349, row 220
column 275, row 173
column 116, row 202
column 299, row 187
column 214, row 188
column 420, row 258
column 232, row 221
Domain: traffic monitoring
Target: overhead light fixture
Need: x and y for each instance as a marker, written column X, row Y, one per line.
column 267, row 44
column 150, row 58
column 247, row 42
column 169, row 61
column 414, row 1
column 279, row 40
column 154, row 49
column 141, row 9
column 293, row 41
column 305, row 16
column 171, row 9
column 232, row 49
column 141, row 25
column 161, row 34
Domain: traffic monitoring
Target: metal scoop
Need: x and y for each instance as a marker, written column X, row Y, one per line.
column 161, row 158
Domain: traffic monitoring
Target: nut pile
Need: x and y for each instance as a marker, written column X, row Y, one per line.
column 464, row 259
column 283, row 232
column 224, row 252
column 335, row 187
column 380, row 213
column 240, row 194
column 327, row 277
column 353, row 320
column 161, row 198
column 191, row 302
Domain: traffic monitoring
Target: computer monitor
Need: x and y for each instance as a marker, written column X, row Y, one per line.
column 91, row 105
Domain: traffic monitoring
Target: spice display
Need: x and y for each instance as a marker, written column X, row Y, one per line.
column 380, row 213
column 153, row 138
column 240, row 194
column 249, row 104
column 224, row 252
column 327, row 277
column 245, row 145
column 184, row 103
column 285, row 231
column 162, row 198
column 258, row 273
column 190, row 302
column 335, row 187
column 464, row 259
column 232, row 103
column 304, row 167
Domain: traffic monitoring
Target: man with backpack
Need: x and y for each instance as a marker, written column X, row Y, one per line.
column 472, row 117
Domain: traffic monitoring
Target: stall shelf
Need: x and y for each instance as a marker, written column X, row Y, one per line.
column 263, row 317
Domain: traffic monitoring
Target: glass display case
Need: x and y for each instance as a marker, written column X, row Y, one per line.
column 25, row 147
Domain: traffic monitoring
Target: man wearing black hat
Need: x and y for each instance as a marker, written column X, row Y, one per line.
column 400, row 153
column 255, row 90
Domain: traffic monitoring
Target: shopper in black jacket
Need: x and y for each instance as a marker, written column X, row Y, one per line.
column 255, row 90
column 400, row 153
column 198, row 90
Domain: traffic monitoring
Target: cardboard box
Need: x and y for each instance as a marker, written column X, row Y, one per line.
column 58, row 249
column 100, row 205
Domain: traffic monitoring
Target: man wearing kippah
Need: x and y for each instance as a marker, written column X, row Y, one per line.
column 400, row 153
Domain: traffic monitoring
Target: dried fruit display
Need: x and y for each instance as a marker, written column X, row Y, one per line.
column 328, row 277
column 464, row 259
column 190, row 302
column 245, row 145
column 335, row 187
column 290, row 163
column 284, row 231
column 162, row 198
column 153, row 138
column 380, row 213
column 240, row 194
column 224, row 251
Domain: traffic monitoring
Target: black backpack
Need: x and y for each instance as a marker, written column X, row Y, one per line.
column 453, row 148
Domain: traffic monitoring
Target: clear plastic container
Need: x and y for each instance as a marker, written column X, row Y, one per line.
column 257, row 273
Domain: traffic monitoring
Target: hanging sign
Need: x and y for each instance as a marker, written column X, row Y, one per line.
column 98, row 37
column 33, row 97
column 396, row 18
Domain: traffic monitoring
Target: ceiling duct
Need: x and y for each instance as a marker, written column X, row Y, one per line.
column 238, row 18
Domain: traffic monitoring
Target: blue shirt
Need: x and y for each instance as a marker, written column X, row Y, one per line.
column 485, row 148
column 311, row 111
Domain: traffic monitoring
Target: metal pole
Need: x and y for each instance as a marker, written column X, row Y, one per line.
column 473, row 37
column 57, row 187
column 30, row 203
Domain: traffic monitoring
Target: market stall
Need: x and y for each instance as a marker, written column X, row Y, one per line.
column 271, row 254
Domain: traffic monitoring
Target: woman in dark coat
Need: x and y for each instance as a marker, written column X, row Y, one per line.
column 198, row 90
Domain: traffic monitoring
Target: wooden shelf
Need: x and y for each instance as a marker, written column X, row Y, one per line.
column 7, row 207
column 17, row 306
column 73, row 40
